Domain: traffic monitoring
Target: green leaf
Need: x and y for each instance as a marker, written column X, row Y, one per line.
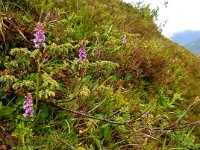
column 44, row 111
column 106, row 131
column 5, row 111
column 81, row 148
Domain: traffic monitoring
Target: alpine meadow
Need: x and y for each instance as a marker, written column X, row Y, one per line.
column 94, row 75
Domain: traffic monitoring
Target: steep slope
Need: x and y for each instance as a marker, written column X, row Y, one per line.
column 135, row 90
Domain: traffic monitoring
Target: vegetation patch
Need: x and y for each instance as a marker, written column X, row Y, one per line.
column 93, row 74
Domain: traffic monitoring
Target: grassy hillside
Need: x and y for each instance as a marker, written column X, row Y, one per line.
column 135, row 89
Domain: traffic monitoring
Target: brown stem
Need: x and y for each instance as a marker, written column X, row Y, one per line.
column 126, row 123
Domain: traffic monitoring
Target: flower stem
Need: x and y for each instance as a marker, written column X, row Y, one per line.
column 37, row 85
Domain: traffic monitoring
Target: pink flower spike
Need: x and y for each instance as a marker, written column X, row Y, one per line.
column 39, row 35
column 124, row 39
column 82, row 53
column 28, row 106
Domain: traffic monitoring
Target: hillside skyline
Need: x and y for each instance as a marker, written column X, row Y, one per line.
column 178, row 20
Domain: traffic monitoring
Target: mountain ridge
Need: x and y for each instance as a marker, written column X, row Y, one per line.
column 194, row 46
column 189, row 39
column 185, row 37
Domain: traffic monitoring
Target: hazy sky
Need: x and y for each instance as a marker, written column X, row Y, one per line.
column 180, row 14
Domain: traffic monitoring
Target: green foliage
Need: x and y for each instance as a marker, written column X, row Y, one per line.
column 5, row 111
column 147, row 79
column 48, row 86
column 183, row 140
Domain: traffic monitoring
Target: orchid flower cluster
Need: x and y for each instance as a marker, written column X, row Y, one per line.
column 82, row 53
column 124, row 39
column 39, row 35
column 39, row 38
column 28, row 106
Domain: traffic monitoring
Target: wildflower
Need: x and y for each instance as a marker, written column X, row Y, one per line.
column 82, row 53
column 28, row 106
column 124, row 40
column 39, row 35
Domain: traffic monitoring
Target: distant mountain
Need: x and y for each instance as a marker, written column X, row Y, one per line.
column 185, row 37
column 189, row 39
column 194, row 46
